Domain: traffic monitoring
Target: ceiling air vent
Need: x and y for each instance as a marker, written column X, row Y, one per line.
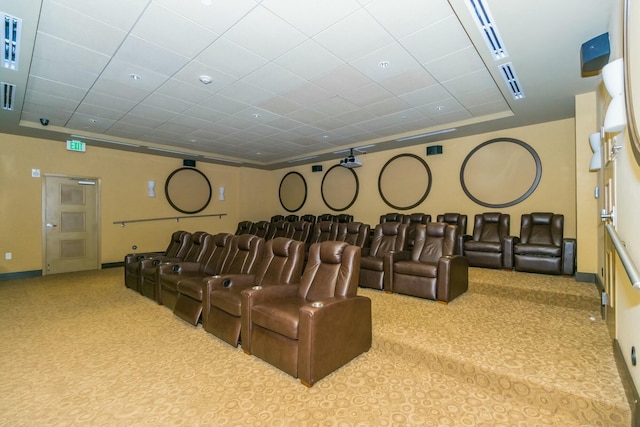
column 512, row 80
column 484, row 21
column 11, row 44
column 8, row 95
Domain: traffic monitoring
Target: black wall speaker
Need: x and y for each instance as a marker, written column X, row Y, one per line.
column 188, row 162
column 434, row 149
column 594, row 54
column 316, row 168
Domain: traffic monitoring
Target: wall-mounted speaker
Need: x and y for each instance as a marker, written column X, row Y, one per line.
column 316, row 168
column 189, row 162
column 434, row 149
column 594, row 54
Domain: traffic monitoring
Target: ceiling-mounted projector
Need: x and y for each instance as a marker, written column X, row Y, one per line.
column 351, row 161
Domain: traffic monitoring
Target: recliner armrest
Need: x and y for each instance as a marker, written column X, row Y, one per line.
column 453, row 277
column 507, row 251
column 569, row 247
column 387, row 266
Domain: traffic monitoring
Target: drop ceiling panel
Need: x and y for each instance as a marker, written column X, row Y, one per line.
column 265, row 34
column 309, row 60
column 398, row 59
column 136, row 51
column 310, row 16
column 457, row 64
column 223, row 104
column 218, row 16
column 399, row 24
column 89, row 123
column 107, row 101
column 54, row 88
column 230, row 58
column 275, row 79
column 428, row 44
column 121, row 14
column 408, row 81
column 97, row 112
column 175, row 105
column 363, row 33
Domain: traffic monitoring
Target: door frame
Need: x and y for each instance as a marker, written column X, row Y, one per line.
column 44, row 216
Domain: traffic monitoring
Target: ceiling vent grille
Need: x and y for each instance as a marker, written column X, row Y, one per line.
column 511, row 79
column 8, row 95
column 484, row 21
column 11, row 44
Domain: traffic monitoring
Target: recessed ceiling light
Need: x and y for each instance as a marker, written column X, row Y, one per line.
column 384, row 64
column 256, row 116
column 439, row 108
column 134, row 76
column 93, row 121
column 205, row 79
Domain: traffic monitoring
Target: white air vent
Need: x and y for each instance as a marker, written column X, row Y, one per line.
column 512, row 80
column 11, row 44
column 8, row 95
column 481, row 14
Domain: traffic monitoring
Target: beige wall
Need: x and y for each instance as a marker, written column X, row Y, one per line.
column 250, row 193
column 554, row 142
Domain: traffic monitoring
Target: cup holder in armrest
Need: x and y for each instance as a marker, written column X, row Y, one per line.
column 175, row 268
column 256, row 288
column 226, row 283
column 317, row 304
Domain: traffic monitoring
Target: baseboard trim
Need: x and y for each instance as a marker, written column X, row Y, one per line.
column 585, row 277
column 113, row 264
column 627, row 382
column 21, row 275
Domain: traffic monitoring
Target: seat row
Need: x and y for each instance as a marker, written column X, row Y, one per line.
column 254, row 292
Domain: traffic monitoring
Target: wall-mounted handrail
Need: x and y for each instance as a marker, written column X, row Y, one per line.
column 625, row 258
column 176, row 218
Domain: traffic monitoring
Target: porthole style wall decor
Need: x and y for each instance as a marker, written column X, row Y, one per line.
column 393, row 179
column 500, row 172
column 340, row 188
column 292, row 191
column 188, row 190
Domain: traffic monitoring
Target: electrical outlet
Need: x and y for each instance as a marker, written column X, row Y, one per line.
column 8, row 255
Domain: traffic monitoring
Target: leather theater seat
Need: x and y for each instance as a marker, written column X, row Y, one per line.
column 281, row 264
column 431, row 270
column 133, row 263
column 388, row 238
column 241, row 256
column 491, row 245
column 310, row 329
column 459, row 220
column 541, row 247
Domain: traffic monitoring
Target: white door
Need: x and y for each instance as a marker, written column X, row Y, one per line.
column 70, row 224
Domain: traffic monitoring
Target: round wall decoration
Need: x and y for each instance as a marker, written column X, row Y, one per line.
column 292, row 191
column 188, row 190
column 340, row 188
column 393, row 179
column 500, row 172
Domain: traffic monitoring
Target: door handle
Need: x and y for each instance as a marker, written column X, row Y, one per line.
column 51, row 225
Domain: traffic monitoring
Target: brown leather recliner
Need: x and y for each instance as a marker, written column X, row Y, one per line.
column 245, row 227
column 200, row 242
column 281, row 264
column 133, row 263
column 431, row 270
column 277, row 218
column 241, row 257
column 291, row 218
column 343, row 218
column 300, row 230
column 354, row 233
column 282, row 229
column 308, row 218
column 391, row 217
column 459, row 220
column 541, row 247
column 168, row 275
column 388, row 238
column 490, row 246
column 326, row 217
column 413, row 220
column 309, row 330
column 265, row 229
column 322, row 232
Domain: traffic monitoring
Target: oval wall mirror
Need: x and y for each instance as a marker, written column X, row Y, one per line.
column 500, row 172
column 393, row 179
column 340, row 188
column 293, row 191
column 188, row 190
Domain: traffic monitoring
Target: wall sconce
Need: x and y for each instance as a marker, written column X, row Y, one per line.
column 151, row 188
column 613, row 77
column 220, row 193
column 596, row 159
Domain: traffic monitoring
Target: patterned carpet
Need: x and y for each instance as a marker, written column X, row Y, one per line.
column 517, row 349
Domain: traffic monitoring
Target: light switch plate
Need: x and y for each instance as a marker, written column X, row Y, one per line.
column 35, row 173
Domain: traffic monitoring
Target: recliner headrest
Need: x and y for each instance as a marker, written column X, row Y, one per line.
column 436, row 229
column 353, row 227
column 281, row 246
column 390, row 228
column 491, row 216
column 451, row 217
column 221, row 239
column 331, row 251
column 244, row 241
column 198, row 237
column 541, row 217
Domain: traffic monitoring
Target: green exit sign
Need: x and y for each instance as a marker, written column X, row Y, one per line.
column 76, row 146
